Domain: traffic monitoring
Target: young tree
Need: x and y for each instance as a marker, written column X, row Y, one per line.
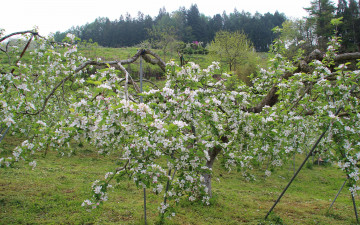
column 231, row 47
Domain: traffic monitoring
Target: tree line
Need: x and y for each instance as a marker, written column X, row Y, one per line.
column 189, row 26
column 186, row 25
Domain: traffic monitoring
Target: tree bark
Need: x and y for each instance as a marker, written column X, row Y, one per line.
column 212, row 154
column 207, row 176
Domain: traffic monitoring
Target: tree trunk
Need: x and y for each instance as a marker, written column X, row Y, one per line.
column 212, row 153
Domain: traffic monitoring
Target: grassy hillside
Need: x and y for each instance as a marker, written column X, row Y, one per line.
column 54, row 191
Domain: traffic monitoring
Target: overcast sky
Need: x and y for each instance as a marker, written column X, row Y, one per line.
column 60, row 15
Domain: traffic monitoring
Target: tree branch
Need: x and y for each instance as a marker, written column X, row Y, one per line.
column 143, row 52
column 18, row 33
column 271, row 98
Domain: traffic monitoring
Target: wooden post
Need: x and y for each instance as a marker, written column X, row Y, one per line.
column 142, row 100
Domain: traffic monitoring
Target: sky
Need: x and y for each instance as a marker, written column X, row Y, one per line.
column 60, row 15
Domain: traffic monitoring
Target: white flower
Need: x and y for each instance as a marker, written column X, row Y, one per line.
column 206, row 155
column 171, row 63
column 144, row 108
column 155, row 179
column 86, row 202
column 358, row 155
column 108, row 174
column 180, row 123
column 71, row 36
column 331, row 114
column 158, row 124
column 70, row 50
column 189, row 178
column 167, row 92
column 267, row 173
column 105, row 85
column 23, row 87
column 217, row 102
column 163, row 207
column 41, row 123
column 159, row 188
column 97, row 189
column 33, row 164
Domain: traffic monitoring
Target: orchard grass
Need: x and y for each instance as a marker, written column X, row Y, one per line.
column 52, row 193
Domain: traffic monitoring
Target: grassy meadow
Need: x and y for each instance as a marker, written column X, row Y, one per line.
column 54, row 191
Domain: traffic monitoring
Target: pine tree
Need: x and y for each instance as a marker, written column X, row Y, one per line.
column 354, row 24
column 322, row 12
column 194, row 21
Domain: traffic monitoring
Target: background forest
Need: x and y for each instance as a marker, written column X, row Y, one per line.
column 190, row 25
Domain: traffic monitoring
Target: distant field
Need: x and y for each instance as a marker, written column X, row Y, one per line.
column 152, row 72
column 54, row 191
column 125, row 53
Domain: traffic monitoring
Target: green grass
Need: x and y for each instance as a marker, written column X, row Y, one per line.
column 151, row 72
column 124, row 53
column 54, row 191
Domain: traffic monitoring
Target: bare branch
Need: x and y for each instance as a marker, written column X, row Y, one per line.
column 23, row 52
column 143, row 53
column 18, row 33
column 157, row 61
column 126, row 80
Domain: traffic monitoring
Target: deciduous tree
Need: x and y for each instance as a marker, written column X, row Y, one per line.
column 231, row 47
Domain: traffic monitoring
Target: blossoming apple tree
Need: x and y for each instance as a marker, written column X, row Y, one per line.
column 168, row 142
